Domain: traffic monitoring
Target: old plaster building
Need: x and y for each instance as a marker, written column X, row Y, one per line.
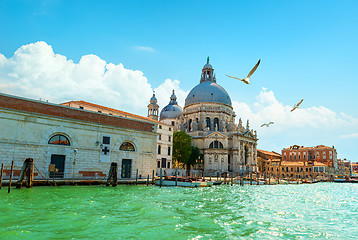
column 164, row 131
column 208, row 117
column 78, row 141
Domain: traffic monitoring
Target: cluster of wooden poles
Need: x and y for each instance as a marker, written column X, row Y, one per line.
column 112, row 176
column 26, row 170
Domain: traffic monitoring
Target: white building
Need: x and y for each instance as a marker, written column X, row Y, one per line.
column 208, row 117
column 81, row 143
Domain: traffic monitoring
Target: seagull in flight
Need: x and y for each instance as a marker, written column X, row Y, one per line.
column 246, row 80
column 296, row 106
column 266, row 124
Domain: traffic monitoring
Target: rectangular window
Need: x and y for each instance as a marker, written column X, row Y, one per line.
column 160, row 126
column 160, row 137
column 99, row 111
column 170, row 129
column 158, row 164
column 172, row 123
column 169, row 151
column 169, row 139
column 168, row 164
column 164, row 162
column 81, row 107
column 106, row 140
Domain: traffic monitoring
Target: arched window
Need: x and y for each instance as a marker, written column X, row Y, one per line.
column 208, row 122
column 216, row 144
column 59, row 139
column 127, row 146
column 216, row 124
column 190, row 122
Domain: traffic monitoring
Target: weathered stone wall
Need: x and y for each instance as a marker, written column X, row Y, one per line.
column 26, row 135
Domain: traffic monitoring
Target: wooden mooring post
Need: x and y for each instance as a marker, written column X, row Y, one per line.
column 232, row 179
column 161, row 178
column 148, row 180
column 250, row 178
column 225, row 178
column 28, row 171
column 112, row 175
column 12, row 167
column 2, row 170
column 176, row 176
column 153, row 177
column 136, row 177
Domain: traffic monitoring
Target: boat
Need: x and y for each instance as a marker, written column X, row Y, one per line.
column 183, row 182
column 339, row 178
column 249, row 181
column 217, row 183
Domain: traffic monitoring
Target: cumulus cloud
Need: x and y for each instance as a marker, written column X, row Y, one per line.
column 164, row 91
column 35, row 71
column 308, row 126
column 144, row 49
column 267, row 108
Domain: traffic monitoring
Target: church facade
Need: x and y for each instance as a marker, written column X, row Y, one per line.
column 208, row 117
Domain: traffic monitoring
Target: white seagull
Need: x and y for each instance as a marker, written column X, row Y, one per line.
column 296, row 106
column 246, row 80
column 266, row 124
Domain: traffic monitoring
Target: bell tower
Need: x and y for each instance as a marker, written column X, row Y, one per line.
column 153, row 108
column 207, row 73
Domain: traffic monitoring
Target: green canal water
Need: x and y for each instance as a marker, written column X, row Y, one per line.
column 322, row 210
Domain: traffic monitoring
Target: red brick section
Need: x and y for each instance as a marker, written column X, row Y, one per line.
column 92, row 173
column 31, row 106
column 15, row 172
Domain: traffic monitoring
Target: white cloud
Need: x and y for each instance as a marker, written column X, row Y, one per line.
column 352, row 135
column 35, row 71
column 164, row 91
column 267, row 108
column 308, row 126
column 144, row 49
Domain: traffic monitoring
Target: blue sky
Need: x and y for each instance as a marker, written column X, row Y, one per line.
column 308, row 50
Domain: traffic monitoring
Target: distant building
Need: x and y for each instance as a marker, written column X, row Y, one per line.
column 320, row 153
column 81, row 141
column 267, row 160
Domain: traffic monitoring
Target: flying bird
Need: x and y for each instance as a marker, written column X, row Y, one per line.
column 246, row 80
column 266, row 124
column 296, row 106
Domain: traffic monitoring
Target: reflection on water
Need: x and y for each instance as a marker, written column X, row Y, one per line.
column 323, row 210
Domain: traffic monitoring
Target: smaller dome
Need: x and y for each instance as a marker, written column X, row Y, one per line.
column 172, row 110
column 153, row 99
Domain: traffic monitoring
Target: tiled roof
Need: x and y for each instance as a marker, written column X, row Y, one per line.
column 269, row 153
column 114, row 110
column 56, row 110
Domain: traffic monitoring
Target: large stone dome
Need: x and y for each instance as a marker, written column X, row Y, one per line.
column 208, row 92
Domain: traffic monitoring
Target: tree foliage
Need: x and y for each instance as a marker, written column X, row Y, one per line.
column 181, row 147
column 195, row 156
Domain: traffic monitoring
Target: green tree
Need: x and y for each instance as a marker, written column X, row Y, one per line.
column 195, row 157
column 181, row 148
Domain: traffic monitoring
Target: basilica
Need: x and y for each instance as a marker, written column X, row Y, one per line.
column 208, row 117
